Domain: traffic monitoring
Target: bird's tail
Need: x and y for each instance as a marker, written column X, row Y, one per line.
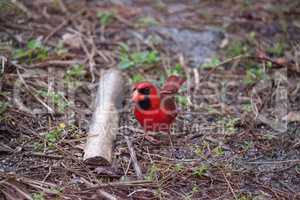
column 172, row 85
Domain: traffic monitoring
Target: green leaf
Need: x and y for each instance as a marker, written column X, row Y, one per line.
column 33, row 50
column 152, row 57
column 176, row 70
column 254, row 74
column 77, row 71
column 137, row 78
column 42, row 54
column 139, row 57
column 200, row 170
column 218, row 151
column 179, row 167
column 152, row 173
column 105, row 17
column 236, row 48
column 182, row 100
column 214, row 62
column 57, row 99
column 60, row 48
column 54, row 135
column 34, row 44
column 277, row 49
column 20, row 53
column 124, row 48
column 38, row 196
column 125, row 63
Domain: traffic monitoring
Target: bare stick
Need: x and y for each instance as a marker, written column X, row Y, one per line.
column 230, row 187
column 136, row 166
column 104, row 125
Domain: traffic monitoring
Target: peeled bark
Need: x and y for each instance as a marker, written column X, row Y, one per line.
column 105, row 121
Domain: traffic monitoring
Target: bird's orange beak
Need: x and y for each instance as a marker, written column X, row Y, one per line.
column 136, row 97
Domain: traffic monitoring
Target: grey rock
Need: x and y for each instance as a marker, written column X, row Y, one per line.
column 198, row 46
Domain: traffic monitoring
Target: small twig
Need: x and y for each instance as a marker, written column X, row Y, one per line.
column 197, row 78
column 136, row 166
column 44, row 155
column 106, row 195
column 239, row 57
column 139, row 190
column 50, row 110
column 56, row 29
column 229, row 185
column 120, row 183
column 90, row 54
column 56, row 63
column 25, row 195
column 48, row 174
column 63, row 24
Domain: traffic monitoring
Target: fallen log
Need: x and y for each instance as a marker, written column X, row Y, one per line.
column 105, row 121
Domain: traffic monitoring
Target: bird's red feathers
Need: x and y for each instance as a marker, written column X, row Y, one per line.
column 156, row 110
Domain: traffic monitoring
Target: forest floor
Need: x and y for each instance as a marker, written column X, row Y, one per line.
column 237, row 135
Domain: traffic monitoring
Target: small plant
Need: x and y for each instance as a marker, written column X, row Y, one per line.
column 38, row 196
column 146, row 21
column 6, row 6
column 182, row 100
column 212, row 110
column 253, row 75
column 269, row 64
column 277, row 49
column 56, row 190
column 213, row 63
column 176, row 70
column 247, row 145
column 236, row 48
column 229, row 124
column 33, row 50
column 152, row 173
column 136, row 59
column 244, row 197
column 269, row 136
column 37, row 146
column 137, row 78
column 105, row 18
column 179, row 167
column 56, row 98
column 54, row 135
column 60, row 49
column 218, row 151
column 194, row 190
column 247, row 107
column 200, row 170
column 75, row 74
column 199, row 151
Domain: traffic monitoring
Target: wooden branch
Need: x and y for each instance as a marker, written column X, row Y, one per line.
column 136, row 166
column 105, row 120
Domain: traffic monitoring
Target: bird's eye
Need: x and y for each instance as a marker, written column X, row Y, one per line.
column 145, row 91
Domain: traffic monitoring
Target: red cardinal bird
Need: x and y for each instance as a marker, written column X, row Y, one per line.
column 156, row 110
